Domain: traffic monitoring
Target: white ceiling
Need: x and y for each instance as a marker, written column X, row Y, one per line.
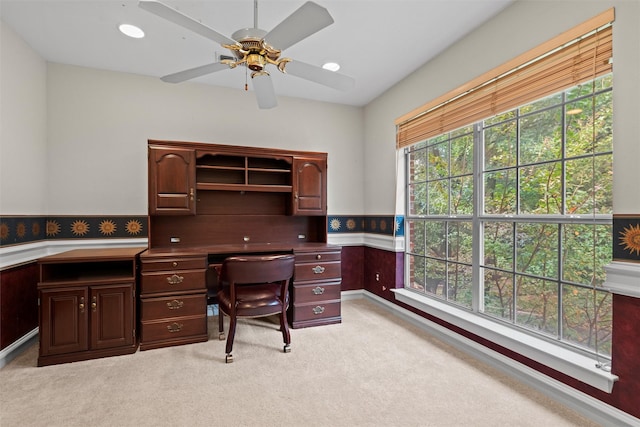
column 377, row 42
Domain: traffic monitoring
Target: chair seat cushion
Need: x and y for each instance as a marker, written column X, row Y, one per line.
column 252, row 300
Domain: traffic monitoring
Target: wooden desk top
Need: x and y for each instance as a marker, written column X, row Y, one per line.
column 90, row 255
column 238, row 249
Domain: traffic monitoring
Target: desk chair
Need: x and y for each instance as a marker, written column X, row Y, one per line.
column 254, row 286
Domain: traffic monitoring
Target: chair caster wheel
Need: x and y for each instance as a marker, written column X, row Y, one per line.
column 287, row 348
column 221, row 336
column 228, row 358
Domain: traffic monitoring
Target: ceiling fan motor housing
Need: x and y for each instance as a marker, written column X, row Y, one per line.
column 255, row 51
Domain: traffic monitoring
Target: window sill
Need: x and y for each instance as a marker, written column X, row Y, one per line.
column 574, row 364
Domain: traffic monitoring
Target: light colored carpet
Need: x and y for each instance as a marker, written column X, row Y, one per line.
column 371, row 370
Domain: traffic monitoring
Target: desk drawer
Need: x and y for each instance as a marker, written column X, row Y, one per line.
column 317, row 256
column 176, row 328
column 174, row 306
column 173, row 264
column 172, row 281
column 317, row 271
column 316, row 292
column 319, row 311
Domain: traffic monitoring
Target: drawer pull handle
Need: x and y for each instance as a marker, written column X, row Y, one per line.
column 318, row 290
column 175, row 304
column 175, row 279
column 318, row 310
column 318, row 269
column 175, row 327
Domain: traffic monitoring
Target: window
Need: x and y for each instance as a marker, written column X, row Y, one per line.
column 510, row 217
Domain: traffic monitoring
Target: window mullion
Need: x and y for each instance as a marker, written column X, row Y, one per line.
column 477, row 303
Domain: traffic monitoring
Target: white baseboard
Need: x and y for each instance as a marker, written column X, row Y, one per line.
column 12, row 351
column 580, row 402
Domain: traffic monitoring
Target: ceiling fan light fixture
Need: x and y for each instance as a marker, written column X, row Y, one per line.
column 255, row 61
column 331, row 66
column 131, row 31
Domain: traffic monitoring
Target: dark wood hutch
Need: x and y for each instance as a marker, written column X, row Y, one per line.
column 210, row 201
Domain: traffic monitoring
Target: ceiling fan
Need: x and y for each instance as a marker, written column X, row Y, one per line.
column 255, row 49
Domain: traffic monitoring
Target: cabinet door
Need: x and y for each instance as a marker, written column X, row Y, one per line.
column 172, row 178
column 112, row 316
column 63, row 320
column 309, row 186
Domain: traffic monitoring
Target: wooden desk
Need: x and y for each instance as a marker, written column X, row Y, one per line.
column 210, row 201
column 173, row 288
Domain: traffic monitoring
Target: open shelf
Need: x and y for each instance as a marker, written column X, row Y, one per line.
column 88, row 271
column 243, row 173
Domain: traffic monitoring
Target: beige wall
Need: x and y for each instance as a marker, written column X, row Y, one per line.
column 23, row 121
column 522, row 26
column 99, row 123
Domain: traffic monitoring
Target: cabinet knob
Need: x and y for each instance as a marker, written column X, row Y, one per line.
column 175, row 327
column 318, row 256
column 175, row 304
column 94, row 304
column 318, row 290
column 174, row 264
column 81, row 305
column 175, row 279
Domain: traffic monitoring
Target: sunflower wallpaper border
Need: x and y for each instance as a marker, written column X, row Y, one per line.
column 626, row 238
column 387, row 225
column 16, row 230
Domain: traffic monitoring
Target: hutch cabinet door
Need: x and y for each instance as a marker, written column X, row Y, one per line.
column 172, row 179
column 112, row 316
column 309, row 186
column 64, row 319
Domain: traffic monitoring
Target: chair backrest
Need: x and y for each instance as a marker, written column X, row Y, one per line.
column 257, row 269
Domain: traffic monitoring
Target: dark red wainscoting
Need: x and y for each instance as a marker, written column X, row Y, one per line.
column 18, row 302
column 352, row 265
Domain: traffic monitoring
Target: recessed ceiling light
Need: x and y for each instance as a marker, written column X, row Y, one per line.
column 131, row 31
column 331, row 66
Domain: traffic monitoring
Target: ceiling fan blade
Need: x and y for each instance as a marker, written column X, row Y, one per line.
column 172, row 15
column 192, row 73
column 306, row 20
column 320, row 75
column 265, row 94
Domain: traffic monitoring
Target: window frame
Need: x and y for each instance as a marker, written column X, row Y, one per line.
column 479, row 218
